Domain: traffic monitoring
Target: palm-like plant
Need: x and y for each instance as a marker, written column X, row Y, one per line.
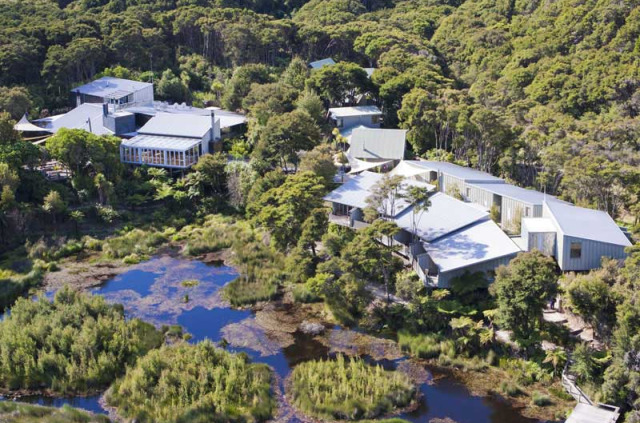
column 556, row 357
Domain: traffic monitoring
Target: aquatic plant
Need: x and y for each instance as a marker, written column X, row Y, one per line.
column 348, row 389
column 194, row 383
column 136, row 241
column 76, row 343
column 190, row 283
column 431, row 345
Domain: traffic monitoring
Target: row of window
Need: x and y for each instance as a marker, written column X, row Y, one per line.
column 161, row 157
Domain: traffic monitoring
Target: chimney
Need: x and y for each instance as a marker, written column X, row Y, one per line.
column 213, row 125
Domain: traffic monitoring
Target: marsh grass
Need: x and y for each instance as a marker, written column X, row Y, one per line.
column 190, row 283
column 196, row 383
column 136, row 241
column 16, row 412
column 348, row 389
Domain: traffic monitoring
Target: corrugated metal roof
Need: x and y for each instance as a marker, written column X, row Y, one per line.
column 538, row 224
column 338, row 112
column 357, row 189
column 24, row 125
column 322, row 63
column 177, row 125
column 462, row 172
column 378, row 144
column 524, row 195
column 77, row 119
column 159, row 142
column 472, row 245
column 445, row 215
column 584, row 223
column 109, row 87
column 227, row 119
column 369, row 71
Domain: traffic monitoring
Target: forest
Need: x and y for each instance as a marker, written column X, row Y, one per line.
column 543, row 94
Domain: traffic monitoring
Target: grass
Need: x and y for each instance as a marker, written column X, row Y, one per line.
column 541, row 400
column 136, row 241
column 190, row 283
column 16, row 412
column 215, row 234
column 510, row 389
column 426, row 346
column 195, row 383
column 348, row 389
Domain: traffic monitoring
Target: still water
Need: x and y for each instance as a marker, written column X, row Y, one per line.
column 153, row 291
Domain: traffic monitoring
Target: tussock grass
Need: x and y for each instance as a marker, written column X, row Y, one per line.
column 194, row 383
column 16, row 412
column 348, row 389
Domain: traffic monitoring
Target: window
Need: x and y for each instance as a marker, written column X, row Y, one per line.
column 375, row 120
column 526, row 212
column 339, row 123
column 576, row 250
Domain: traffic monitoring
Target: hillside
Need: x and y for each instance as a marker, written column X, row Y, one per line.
column 544, row 93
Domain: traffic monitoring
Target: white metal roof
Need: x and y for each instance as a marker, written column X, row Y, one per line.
column 407, row 169
column 109, row 87
column 524, row 195
column 472, row 245
column 177, row 125
column 584, row 223
column 159, row 142
column 77, row 119
column 369, row 71
column 445, row 215
column 322, row 63
column 539, row 224
column 338, row 112
column 227, row 119
column 378, row 144
column 462, row 172
column 355, row 191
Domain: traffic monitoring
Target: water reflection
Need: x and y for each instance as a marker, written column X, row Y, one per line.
column 153, row 291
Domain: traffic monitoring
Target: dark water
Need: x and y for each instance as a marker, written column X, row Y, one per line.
column 153, row 291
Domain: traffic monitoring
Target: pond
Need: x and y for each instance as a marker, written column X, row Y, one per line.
column 154, row 291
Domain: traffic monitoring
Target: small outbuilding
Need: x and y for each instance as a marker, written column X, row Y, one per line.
column 319, row 64
column 347, row 118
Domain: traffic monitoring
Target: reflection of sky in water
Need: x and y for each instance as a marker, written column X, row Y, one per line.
column 153, row 292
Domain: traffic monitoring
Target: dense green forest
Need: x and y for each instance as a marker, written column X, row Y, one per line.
column 545, row 94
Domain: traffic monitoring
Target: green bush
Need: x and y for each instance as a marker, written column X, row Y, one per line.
column 134, row 258
column 215, row 234
column 199, row 383
column 541, row 400
column 348, row 389
column 77, row 343
column 12, row 285
column 136, row 241
column 303, row 294
column 510, row 389
column 426, row 345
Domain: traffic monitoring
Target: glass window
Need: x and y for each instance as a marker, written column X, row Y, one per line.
column 339, row 123
column 576, row 250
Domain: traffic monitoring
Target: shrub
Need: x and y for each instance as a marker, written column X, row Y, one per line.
column 134, row 259
column 510, row 389
column 199, row 383
column 136, row 241
column 12, row 285
column 77, row 343
column 16, row 412
column 348, row 389
column 541, row 400
column 426, row 345
column 303, row 294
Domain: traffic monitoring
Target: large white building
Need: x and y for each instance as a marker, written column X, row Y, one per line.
column 456, row 236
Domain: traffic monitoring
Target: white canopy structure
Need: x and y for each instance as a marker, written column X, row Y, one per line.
column 24, row 125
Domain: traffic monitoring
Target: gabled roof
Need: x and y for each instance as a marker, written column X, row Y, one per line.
column 227, row 119
column 161, row 142
column 369, row 71
column 444, row 216
column 461, row 172
column 340, row 112
column 322, row 63
column 584, row 223
column 109, row 87
column 357, row 189
column 472, row 245
column 177, row 125
column 524, row 195
column 378, row 144
column 78, row 118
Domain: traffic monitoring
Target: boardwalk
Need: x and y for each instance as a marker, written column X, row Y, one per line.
column 586, row 411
